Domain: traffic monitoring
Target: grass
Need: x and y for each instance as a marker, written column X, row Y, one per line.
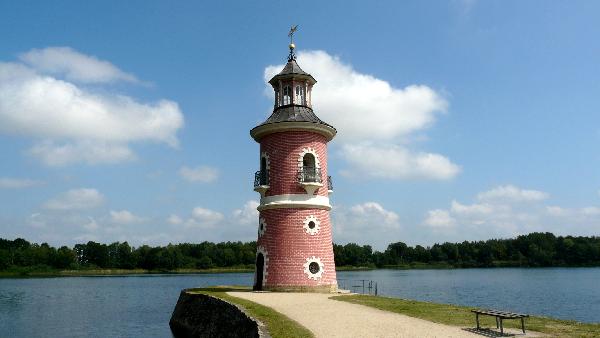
column 462, row 316
column 278, row 325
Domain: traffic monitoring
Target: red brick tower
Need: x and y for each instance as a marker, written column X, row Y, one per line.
column 294, row 247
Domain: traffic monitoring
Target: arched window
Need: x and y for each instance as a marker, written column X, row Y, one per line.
column 309, row 168
column 299, row 95
column 308, row 161
column 263, row 163
column 277, row 99
column 287, row 95
column 262, row 178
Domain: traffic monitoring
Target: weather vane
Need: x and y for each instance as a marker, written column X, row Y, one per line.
column 291, row 33
column 293, row 30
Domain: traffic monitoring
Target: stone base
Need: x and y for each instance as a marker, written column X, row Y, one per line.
column 199, row 315
column 332, row 288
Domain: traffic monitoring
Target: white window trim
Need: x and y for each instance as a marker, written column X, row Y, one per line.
column 262, row 227
column 290, row 95
column 299, row 95
column 305, row 151
column 268, row 160
column 314, row 230
column 314, row 276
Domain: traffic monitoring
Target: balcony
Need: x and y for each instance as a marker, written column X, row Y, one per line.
column 310, row 179
column 329, row 184
column 261, row 182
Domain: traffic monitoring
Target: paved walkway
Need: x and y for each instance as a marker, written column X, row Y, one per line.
column 330, row 318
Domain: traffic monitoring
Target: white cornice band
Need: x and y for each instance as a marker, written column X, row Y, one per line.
column 294, row 201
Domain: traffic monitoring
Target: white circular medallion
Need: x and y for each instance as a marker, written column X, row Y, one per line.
column 262, row 227
column 311, row 225
column 313, row 268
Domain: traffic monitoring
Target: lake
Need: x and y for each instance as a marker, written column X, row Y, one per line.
column 140, row 306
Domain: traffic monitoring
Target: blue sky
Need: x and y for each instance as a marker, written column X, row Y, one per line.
column 457, row 120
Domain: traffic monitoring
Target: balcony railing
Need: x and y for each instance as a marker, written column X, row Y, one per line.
column 310, row 175
column 329, row 183
column 261, row 178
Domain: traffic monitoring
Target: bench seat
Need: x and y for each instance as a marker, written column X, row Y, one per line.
column 500, row 315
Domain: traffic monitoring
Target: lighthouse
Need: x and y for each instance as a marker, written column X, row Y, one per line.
column 294, row 245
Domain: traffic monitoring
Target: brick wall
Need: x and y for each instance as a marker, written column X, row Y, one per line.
column 288, row 245
column 283, row 150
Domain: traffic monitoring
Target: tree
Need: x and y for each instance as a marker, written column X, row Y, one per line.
column 97, row 254
column 204, row 263
column 5, row 261
column 397, row 252
column 64, row 258
column 126, row 258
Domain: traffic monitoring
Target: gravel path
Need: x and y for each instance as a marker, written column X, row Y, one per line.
column 330, row 318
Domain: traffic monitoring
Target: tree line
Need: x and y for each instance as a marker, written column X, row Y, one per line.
column 532, row 250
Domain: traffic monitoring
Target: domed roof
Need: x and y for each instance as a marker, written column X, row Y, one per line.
column 294, row 113
column 293, row 116
column 292, row 70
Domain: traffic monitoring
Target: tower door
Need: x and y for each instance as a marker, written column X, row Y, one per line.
column 260, row 263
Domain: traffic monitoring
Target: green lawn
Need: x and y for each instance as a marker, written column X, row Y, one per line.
column 278, row 325
column 461, row 316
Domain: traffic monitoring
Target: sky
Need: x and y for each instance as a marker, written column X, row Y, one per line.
column 457, row 120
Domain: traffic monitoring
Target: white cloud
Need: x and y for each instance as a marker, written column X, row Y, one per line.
column 18, row 183
column 590, row 211
column 78, row 124
column 580, row 213
column 557, row 211
column 53, row 154
column 74, row 66
column 92, row 225
column 204, row 224
column 124, row 217
column 36, row 220
column 204, row 218
column 501, row 212
column 46, row 107
column 471, row 209
column 361, row 106
column 247, row 214
column 439, row 219
column 395, row 162
column 83, row 238
column 366, row 223
column 510, row 192
column 376, row 211
column 200, row 174
column 174, row 219
column 373, row 118
column 75, row 199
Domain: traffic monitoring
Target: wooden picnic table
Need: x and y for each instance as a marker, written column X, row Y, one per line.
column 500, row 315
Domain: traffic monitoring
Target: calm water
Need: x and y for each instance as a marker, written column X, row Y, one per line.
column 140, row 306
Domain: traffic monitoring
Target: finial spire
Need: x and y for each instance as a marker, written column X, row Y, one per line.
column 292, row 55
